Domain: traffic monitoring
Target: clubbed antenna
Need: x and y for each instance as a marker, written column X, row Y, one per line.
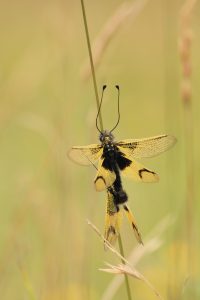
column 117, row 87
column 103, row 89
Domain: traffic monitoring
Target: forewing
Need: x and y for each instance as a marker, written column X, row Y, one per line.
column 85, row 155
column 134, row 170
column 104, row 177
column 146, row 147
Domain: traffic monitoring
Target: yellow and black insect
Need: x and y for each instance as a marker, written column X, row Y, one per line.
column 115, row 158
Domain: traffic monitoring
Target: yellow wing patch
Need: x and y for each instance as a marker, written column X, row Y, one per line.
column 104, row 178
column 85, row 155
column 139, row 173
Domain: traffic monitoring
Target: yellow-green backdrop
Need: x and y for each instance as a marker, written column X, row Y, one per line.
column 47, row 250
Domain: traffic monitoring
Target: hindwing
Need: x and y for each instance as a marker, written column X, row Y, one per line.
column 112, row 220
column 133, row 223
column 134, row 170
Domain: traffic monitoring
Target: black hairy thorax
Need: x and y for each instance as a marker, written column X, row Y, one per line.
column 113, row 160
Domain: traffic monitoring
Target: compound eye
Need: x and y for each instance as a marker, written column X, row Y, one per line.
column 101, row 137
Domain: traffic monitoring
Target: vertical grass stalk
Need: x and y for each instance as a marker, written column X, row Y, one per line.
column 100, row 118
column 91, row 62
column 125, row 275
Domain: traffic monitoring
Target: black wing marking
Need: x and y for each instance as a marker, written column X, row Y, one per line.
column 105, row 177
column 134, row 170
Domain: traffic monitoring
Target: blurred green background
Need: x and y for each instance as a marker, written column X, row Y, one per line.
column 47, row 251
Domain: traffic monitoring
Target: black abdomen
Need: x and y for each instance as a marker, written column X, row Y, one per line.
column 113, row 161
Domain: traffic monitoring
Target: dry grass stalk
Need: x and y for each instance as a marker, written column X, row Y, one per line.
column 125, row 10
column 120, row 255
column 106, row 243
column 185, row 44
column 152, row 243
column 125, row 269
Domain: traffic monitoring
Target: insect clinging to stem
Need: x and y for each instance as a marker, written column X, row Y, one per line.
column 116, row 158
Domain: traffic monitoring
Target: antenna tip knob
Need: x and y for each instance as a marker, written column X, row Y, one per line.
column 117, row 86
column 104, row 86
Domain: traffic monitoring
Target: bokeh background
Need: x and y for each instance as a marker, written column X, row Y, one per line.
column 47, row 250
